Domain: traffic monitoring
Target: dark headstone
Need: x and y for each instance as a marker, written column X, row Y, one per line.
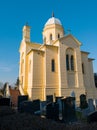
column 4, row 101
column 26, row 106
column 32, row 107
column 91, row 105
column 36, row 106
column 83, row 101
column 21, row 99
column 68, row 109
column 92, row 117
column 52, row 111
column 49, row 98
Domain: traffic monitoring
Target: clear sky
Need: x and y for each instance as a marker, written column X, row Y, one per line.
column 80, row 16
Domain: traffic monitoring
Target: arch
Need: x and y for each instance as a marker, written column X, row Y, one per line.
column 53, row 65
column 72, row 62
column 58, row 35
column 67, row 62
column 51, row 37
column 83, row 71
column 70, row 59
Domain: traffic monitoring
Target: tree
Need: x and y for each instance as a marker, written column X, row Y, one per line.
column 17, row 83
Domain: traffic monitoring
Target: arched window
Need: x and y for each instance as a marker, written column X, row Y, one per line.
column 70, row 59
column 58, row 35
column 53, row 65
column 67, row 62
column 51, row 37
column 72, row 62
column 83, row 68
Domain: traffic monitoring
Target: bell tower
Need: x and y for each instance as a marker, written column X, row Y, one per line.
column 26, row 33
column 53, row 30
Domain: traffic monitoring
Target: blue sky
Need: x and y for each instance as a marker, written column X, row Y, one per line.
column 78, row 15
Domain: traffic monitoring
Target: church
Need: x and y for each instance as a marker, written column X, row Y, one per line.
column 55, row 67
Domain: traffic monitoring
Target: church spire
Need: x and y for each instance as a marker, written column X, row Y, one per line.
column 52, row 14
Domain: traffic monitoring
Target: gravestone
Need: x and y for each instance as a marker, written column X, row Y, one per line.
column 32, row 107
column 94, row 103
column 26, row 106
column 58, row 100
column 91, row 105
column 68, row 109
column 92, row 117
column 49, row 98
column 43, row 107
column 49, row 111
column 4, row 101
column 36, row 106
column 83, row 101
column 21, row 99
column 52, row 111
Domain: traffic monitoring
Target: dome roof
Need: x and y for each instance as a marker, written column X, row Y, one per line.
column 53, row 20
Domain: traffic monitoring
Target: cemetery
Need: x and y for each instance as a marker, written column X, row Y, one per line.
column 57, row 113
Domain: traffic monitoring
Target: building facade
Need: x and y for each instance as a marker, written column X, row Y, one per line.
column 55, row 67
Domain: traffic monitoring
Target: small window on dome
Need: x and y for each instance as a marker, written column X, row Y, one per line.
column 51, row 38
column 58, row 35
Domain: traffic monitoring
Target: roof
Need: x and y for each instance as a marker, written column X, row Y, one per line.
column 34, row 45
column 67, row 36
column 14, row 96
column 85, row 52
column 53, row 20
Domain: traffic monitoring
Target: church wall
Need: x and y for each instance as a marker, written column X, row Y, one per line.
column 70, row 80
column 30, row 75
column 91, row 73
column 92, row 91
column 86, row 70
column 23, row 67
column 75, row 77
column 38, row 75
column 52, row 80
column 62, row 69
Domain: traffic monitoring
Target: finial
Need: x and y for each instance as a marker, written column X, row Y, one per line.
column 52, row 14
column 27, row 24
column 69, row 31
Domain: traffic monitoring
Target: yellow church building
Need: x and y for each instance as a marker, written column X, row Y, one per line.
column 55, row 67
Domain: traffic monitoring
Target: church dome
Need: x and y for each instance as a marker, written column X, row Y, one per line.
column 53, row 20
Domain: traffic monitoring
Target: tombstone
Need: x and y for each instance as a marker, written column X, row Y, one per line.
column 52, row 111
column 32, row 107
column 49, row 98
column 56, row 111
column 4, row 101
column 49, row 111
column 73, row 95
column 58, row 100
column 91, row 105
column 26, row 106
column 36, row 106
column 21, row 99
column 68, row 110
column 43, row 108
column 94, row 103
column 92, row 117
column 83, row 102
